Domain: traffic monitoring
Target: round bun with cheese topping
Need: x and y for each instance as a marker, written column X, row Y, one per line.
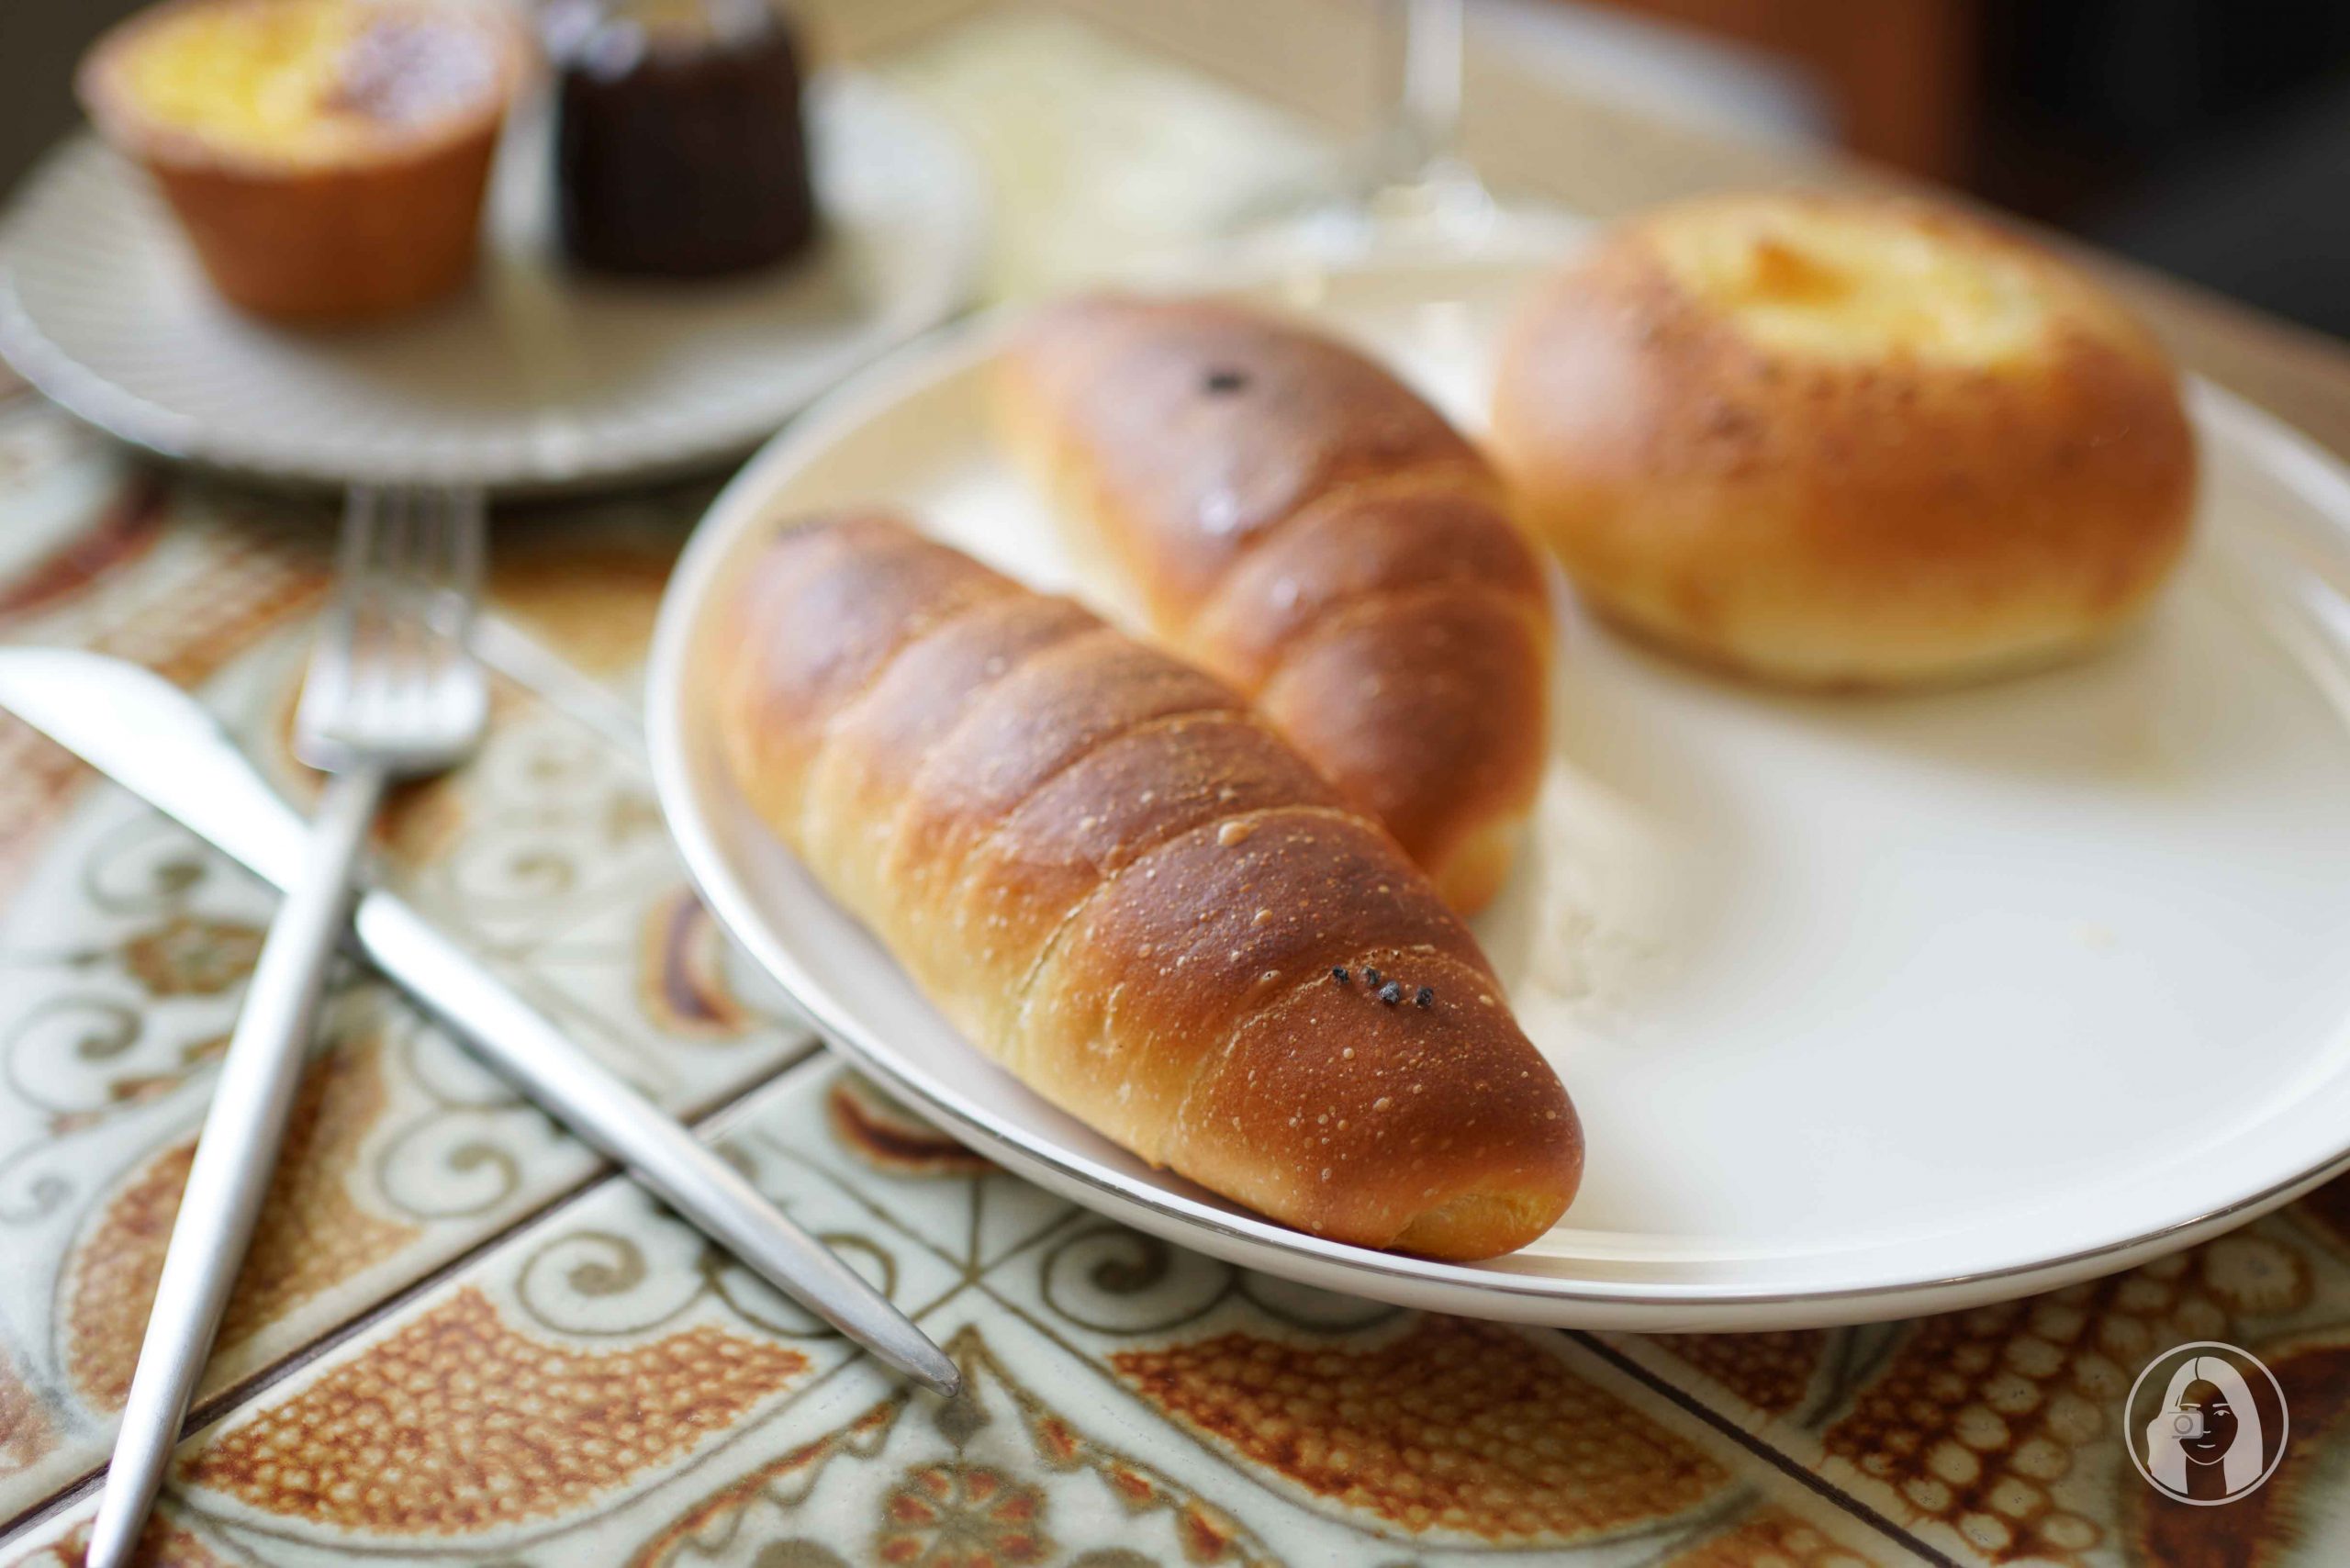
column 1845, row 441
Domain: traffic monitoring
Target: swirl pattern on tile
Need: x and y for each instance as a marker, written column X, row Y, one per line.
column 891, row 1138
column 681, row 970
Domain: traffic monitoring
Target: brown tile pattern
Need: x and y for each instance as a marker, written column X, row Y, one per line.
column 1981, row 1413
column 25, row 1431
column 182, row 620
column 125, row 529
column 1993, row 1433
column 887, row 1137
column 723, row 1512
column 1772, row 1536
column 1451, row 1426
column 188, row 955
column 35, row 777
column 162, row 1544
column 958, row 1516
column 460, row 1422
column 590, row 601
column 311, row 1235
column 603, row 1389
column 681, row 970
column 247, row 583
column 2273, row 1526
column 1771, row 1372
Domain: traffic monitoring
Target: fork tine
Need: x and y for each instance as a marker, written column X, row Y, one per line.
column 427, row 550
column 327, row 683
column 467, row 522
column 448, row 565
column 399, row 674
column 449, row 557
column 472, row 526
column 361, row 510
column 393, row 672
column 428, row 572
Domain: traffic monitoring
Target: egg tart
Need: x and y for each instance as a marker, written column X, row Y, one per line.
column 328, row 159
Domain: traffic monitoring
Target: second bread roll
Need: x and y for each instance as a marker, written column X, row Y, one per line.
column 1122, row 885
column 1284, row 512
column 1845, row 441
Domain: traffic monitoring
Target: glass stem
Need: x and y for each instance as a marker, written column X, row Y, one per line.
column 1430, row 102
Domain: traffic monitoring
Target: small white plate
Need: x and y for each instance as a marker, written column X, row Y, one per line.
column 535, row 378
column 1872, row 1006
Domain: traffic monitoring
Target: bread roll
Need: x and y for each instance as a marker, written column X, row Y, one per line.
column 1123, row 886
column 1845, row 441
column 1283, row 512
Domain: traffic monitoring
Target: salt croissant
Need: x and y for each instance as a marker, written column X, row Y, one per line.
column 1125, row 887
column 1294, row 519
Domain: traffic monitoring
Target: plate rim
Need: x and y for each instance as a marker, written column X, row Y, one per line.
column 931, row 359
column 127, row 416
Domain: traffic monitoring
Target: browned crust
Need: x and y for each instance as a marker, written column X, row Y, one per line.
column 1834, row 522
column 1291, row 516
column 117, row 114
column 1125, row 887
column 392, row 227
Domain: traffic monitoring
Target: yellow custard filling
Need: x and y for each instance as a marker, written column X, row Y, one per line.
column 303, row 79
column 1850, row 286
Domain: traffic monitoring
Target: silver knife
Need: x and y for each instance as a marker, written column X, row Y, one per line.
column 160, row 744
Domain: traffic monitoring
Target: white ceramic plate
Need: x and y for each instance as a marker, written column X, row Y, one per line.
column 1871, row 1006
column 533, row 379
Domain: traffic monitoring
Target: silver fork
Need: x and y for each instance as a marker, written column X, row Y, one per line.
column 392, row 692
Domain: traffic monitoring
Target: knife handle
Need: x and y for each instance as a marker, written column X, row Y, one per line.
column 679, row 1167
column 235, row 1154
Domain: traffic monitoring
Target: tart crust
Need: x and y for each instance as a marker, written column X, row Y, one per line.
column 327, row 227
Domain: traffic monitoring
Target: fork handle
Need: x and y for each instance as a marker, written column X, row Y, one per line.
column 234, row 1158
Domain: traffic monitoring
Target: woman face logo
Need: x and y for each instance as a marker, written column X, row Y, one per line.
column 2207, row 1423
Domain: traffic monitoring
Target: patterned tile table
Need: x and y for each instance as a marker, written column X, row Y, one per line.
column 445, row 1350
column 455, row 1343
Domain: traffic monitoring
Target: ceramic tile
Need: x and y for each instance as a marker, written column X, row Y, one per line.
column 604, row 1388
column 1996, row 1434
column 124, row 947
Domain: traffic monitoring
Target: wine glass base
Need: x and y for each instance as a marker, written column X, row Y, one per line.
column 1446, row 213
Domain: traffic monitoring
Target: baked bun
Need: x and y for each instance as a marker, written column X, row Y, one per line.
column 1851, row 442
column 1121, row 884
column 1282, row 511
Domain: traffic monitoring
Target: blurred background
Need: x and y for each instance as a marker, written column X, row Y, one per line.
column 2207, row 138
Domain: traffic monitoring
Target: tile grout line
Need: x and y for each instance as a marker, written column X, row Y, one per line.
column 262, row 1379
column 1784, row 1462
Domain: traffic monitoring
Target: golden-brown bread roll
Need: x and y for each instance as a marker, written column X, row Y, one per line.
column 1283, row 512
column 1121, row 884
column 1844, row 442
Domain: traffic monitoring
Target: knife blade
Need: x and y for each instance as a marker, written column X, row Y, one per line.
column 160, row 744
